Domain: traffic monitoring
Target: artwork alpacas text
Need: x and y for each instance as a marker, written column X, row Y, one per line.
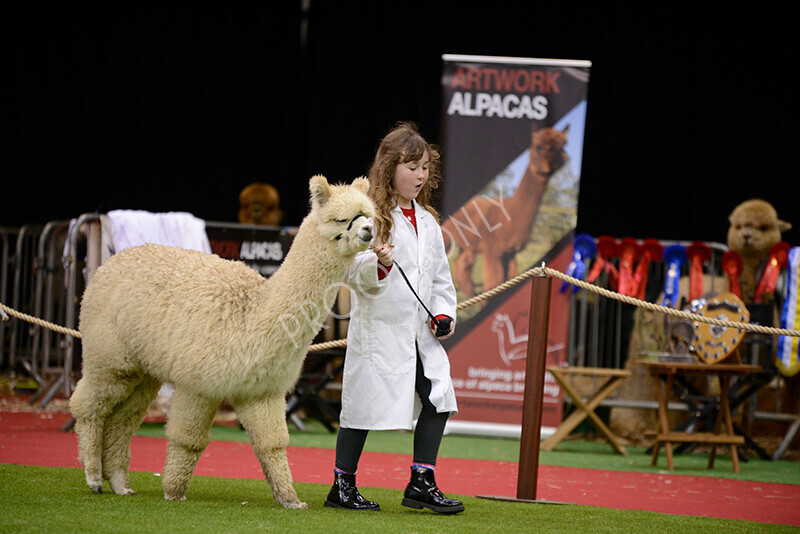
column 513, row 83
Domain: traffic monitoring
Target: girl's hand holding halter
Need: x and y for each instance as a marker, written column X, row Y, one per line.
column 384, row 253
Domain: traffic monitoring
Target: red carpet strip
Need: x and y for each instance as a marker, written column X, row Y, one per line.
column 35, row 439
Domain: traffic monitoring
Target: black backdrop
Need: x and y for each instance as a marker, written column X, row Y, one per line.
column 691, row 110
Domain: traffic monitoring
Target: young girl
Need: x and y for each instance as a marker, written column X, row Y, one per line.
column 395, row 368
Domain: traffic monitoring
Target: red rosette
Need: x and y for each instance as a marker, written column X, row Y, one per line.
column 607, row 249
column 697, row 253
column 778, row 260
column 732, row 266
column 629, row 251
column 651, row 250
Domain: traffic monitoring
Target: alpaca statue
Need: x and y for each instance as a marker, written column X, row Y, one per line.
column 216, row 330
column 754, row 229
column 508, row 222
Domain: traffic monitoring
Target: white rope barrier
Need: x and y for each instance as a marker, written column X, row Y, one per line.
column 542, row 270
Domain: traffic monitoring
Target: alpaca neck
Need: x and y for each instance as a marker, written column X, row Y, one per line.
column 307, row 277
column 308, row 280
column 528, row 196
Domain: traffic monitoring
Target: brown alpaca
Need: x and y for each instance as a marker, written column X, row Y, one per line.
column 259, row 203
column 498, row 228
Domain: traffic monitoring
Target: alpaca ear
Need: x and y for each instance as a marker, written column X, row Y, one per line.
column 784, row 226
column 362, row 184
column 566, row 129
column 320, row 190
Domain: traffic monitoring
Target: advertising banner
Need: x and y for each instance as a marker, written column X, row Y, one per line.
column 512, row 142
column 260, row 247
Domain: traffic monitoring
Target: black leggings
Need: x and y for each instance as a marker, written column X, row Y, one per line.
column 427, row 434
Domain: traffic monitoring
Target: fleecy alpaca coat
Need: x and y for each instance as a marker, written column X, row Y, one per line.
column 387, row 323
column 215, row 329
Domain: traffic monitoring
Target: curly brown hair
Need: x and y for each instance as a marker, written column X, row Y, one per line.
column 401, row 144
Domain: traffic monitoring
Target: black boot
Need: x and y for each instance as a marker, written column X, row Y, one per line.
column 344, row 494
column 422, row 492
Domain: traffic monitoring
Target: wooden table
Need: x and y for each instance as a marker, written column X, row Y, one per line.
column 583, row 409
column 666, row 372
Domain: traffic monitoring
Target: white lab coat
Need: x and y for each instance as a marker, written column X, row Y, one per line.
column 387, row 323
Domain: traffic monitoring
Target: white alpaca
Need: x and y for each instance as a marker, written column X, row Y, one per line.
column 216, row 330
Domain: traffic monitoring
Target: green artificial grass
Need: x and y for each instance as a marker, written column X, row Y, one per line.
column 49, row 499
column 569, row 453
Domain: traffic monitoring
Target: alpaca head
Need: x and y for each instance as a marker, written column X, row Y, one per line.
column 547, row 150
column 754, row 228
column 259, row 203
column 343, row 214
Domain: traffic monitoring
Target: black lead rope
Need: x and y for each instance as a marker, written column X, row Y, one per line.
column 443, row 325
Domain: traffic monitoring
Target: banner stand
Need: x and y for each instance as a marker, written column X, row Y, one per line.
column 534, row 392
column 512, row 136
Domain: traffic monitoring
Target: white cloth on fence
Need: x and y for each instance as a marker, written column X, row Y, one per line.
column 130, row 228
column 123, row 229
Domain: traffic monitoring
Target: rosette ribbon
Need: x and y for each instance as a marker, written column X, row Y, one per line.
column 674, row 257
column 786, row 359
column 607, row 249
column 732, row 266
column 777, row 261
column 698, row 253
column 583, row 249
column 629, row 252
column 652, row 251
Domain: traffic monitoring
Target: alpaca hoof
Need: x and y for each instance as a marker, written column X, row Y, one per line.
column 120, row 485
column 174, row 497
column 298, row 505
column 95, row 483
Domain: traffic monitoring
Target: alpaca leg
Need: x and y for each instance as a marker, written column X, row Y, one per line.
column 93, row 400
column 511, row 270
column 462, row 272
column 493, row 272
column 119, row 429
column 189, row 432
column 265, row 421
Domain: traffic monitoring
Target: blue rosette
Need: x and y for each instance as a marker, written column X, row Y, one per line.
column 674, row 257
column 583, row 249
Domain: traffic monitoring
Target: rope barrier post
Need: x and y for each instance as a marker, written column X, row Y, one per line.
column 535, row 364
column 534, row 388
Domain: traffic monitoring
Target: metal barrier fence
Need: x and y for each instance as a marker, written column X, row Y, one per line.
column 22, row 290
column 601, row 332
column 8, row 238
column 599, row 328
column 49, row 304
